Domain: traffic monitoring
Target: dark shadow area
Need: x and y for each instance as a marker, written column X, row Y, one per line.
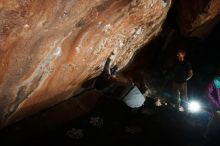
column 111, row 122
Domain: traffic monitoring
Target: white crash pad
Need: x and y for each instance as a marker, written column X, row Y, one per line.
column 134, row 98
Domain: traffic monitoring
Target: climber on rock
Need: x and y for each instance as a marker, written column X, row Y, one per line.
column 110, row 74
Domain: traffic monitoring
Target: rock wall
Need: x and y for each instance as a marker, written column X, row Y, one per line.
column 49, row 47
column 197, row 18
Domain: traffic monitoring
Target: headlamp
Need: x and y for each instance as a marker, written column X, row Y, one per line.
column 194, row 106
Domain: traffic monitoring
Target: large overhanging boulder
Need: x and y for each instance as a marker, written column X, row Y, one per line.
column 49, row 47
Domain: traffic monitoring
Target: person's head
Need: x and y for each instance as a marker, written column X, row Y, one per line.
column 181, row 55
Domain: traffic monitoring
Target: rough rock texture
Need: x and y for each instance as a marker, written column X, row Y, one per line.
column 49, row 47
column 196, row 18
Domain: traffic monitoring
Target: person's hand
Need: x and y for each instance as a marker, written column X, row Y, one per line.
column 113, row 54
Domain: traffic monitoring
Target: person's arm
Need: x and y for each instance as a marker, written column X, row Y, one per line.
column 109, row 62
column 190, row 74
column 189, row 71
column 107, row 66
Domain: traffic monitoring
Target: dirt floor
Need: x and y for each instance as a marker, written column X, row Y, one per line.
column 111, row 122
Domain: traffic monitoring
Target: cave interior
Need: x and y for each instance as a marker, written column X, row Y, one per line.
column 111, row 121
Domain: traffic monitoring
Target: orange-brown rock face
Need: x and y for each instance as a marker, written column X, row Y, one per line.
column 197, row 18
column 49, row 47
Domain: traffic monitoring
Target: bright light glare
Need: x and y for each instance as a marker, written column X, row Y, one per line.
column 194, row 106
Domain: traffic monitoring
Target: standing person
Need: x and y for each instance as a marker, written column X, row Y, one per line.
column 182, row 73
column 213, row 128
column 214, row 91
